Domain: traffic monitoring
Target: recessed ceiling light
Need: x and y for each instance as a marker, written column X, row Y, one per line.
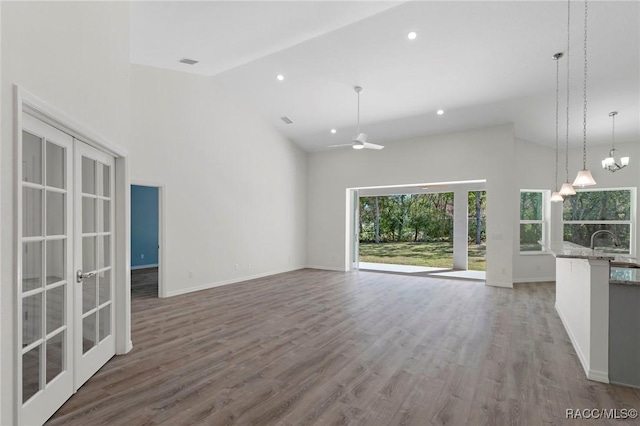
column 333, row 131
column 188, row 61
column 280, row 77
column 440, row 112
column 412, row 35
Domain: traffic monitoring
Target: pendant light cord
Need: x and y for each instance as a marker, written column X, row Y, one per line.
column 613, row 132
column 557, row 57
column 584, row 87
column 566, row 159
column 358, row 129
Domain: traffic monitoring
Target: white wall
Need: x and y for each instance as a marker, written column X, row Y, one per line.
column 474, row 155
column 75, row 57
column 535, row 165
column 234, row 187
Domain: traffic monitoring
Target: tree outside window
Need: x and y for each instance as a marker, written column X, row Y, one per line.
column 532, row 221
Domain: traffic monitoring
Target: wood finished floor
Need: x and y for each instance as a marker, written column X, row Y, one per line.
column 319, row 347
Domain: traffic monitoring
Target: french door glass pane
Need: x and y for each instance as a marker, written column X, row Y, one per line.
column 103, row 180
column 104, row 247
column 56, row 213
column 31, row 265
column 104, row 281
column 88, row 176
column 55, row 166
column 104, row 216
column 31, row 158
column 55, row 355
column 30, row 373
column 31, row 319
column 88, row 214
column 105, row 322
column 89, row 294
column 31, row 212
column 89, row 332
column 88, row 254
column 55, row 308
column 55, row 261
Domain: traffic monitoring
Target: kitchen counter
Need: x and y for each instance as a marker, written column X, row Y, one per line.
column 597, row 299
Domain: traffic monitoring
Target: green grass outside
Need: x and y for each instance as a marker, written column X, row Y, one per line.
column 435, row 254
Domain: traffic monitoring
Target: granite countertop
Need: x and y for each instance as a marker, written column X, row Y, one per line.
column 626, row 276
column 570, row 250
column 624, row 269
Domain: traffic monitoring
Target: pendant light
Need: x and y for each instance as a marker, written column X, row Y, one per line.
column 584, row 177
column 555, row 196
column 610, row 162
column 567, row 188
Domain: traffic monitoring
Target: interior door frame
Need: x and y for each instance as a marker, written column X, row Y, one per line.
column 25, row 102
column 162, row 291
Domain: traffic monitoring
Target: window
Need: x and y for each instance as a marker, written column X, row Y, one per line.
column 532, row 221
column 604, row 209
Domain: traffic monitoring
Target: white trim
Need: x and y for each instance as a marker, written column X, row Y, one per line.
column 45, row 112
column 499, row 284
column 231, row 281
column 598, row 376
column 326, row 268
column 534, row 280
column 151, row 265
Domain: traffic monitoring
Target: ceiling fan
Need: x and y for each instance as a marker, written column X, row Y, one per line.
column 359, row 141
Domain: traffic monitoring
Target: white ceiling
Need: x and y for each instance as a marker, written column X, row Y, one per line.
column 483, row 62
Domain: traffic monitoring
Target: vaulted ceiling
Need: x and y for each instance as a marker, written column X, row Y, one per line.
column 482, row 62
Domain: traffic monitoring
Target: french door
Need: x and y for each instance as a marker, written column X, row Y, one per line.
column 65, row 317
column 94, row 245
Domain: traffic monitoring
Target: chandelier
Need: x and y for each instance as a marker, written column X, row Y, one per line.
column 610, row 162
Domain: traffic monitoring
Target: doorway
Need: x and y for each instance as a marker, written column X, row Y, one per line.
column 435, row 229
column 146, row 233
column 66, row 307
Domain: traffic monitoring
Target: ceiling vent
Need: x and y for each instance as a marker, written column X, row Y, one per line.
column 286, row 120
column 188, row 61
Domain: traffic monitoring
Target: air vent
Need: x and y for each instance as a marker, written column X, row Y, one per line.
column 188, row 61
column 286, row 120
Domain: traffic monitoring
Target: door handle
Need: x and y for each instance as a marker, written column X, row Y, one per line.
column 81, row 276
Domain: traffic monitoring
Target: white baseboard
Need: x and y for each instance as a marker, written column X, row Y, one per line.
column 326, row 268
column 499, row 284
column 153, row 265
column 207, row 286
column 598, row 376
column 534, row 280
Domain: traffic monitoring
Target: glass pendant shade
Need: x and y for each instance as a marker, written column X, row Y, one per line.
column 584, row 178
column 624, row 161
column 556, row 197
column 609, row 161
column 567, row 189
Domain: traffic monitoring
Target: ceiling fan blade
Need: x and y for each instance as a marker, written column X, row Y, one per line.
column 340, row 145
column 368, row 145
column 362, row 138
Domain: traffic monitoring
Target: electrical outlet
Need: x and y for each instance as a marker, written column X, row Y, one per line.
column 250, row 266
column 142, row 256
column 237, row 266
column 190, row 275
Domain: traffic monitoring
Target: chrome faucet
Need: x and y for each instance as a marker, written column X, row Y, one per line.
column 616, row 242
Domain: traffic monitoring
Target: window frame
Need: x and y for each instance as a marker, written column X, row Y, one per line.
column 631, row 222
column 543, row 221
